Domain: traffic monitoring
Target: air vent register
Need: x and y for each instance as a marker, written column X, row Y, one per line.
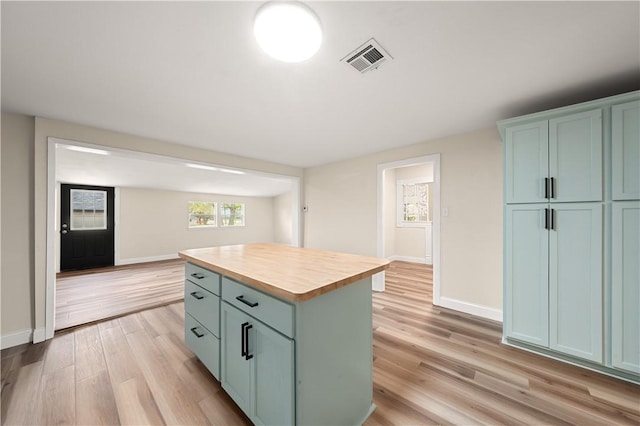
column 367, row 57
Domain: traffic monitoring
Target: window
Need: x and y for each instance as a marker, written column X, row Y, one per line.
column 413, row 203
column 232, row 214
column 202, row 214
column 88, row 209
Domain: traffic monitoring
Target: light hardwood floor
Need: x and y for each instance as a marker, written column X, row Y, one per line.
column 90, row 295
column 432, row 366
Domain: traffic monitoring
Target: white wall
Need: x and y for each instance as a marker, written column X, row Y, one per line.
column 153, row 224
column 342, row 199
column 17, row 274
column 390, row 212
column 282, row 219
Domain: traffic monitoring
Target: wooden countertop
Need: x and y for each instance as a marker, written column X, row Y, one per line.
column 291, row 273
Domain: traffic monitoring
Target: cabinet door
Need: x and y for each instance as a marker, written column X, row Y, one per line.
column 526, row 274
column 235, row 370
column 575, row 157
column 625, row 151
column 526, row 162
column 575, row 280
column 625, row 289
column 274, row 376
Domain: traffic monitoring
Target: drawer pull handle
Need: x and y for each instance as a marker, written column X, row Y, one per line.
column 194, row 330
column 197, row 295
column 197, row 275
column 553, row 187
column 246, row 302
column 244, row 350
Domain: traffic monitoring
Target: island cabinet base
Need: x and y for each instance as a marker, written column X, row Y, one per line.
column 304, row 363
column 295, row 330
column 334, row 357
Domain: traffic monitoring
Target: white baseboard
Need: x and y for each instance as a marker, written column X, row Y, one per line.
column 133, row 260
column 407, row 259
column 471, row 308
column 17, row 338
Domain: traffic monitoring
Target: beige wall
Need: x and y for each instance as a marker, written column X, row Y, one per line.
column 282, row 231
column 153, row 223
column 17, row 277
column 341, row 198
column 342, row 211
column 45, row 128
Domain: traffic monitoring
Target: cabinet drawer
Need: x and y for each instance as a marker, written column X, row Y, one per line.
column 203, row 344
column 203, row 306
column 203, row 277
column 273, row 312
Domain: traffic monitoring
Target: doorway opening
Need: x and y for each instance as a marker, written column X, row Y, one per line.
column 402, row 184
column 106, row 162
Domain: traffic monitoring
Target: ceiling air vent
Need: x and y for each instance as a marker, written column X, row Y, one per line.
column 367, row 57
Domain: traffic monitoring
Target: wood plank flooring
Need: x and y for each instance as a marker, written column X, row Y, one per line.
column 431, row 366
column 90, row 295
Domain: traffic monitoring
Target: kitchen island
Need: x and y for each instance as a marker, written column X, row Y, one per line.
column 286, row 330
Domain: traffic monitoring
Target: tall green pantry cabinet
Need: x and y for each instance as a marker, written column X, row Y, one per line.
column 572, row 234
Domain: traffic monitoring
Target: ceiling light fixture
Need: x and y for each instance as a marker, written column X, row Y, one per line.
column 287, row 31
column 87, row 150
column 214, row 169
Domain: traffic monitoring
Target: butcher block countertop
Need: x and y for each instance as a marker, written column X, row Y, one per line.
column 291, row 273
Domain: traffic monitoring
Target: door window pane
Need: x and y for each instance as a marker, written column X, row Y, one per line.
column 88, row 209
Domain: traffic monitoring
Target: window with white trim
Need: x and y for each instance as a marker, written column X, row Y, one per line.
column 412, row 203
column 203, row 214
column 232, row 214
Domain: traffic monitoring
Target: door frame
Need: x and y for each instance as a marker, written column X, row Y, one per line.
column 53, row 192
column 378, row 279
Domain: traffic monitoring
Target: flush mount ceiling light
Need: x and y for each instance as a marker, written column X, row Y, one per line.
column 287, row 31
column 214, row 169
column 87, row 150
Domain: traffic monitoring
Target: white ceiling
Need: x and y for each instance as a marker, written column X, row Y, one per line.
column 121, row 168
column 191, row 73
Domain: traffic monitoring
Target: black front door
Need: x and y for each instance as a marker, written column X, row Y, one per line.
column 86, row 228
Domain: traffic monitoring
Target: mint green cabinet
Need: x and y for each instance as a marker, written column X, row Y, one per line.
column 527, row 273
column 236, row 371
column 625, row 286
column 556, row 160
column 575, row 157
column 625, row 151
column 572, row 234
column 527, row 162
column 202, row 315
column 273, row 396
column 553, row 275
column 257, row 368
column 575, row 280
